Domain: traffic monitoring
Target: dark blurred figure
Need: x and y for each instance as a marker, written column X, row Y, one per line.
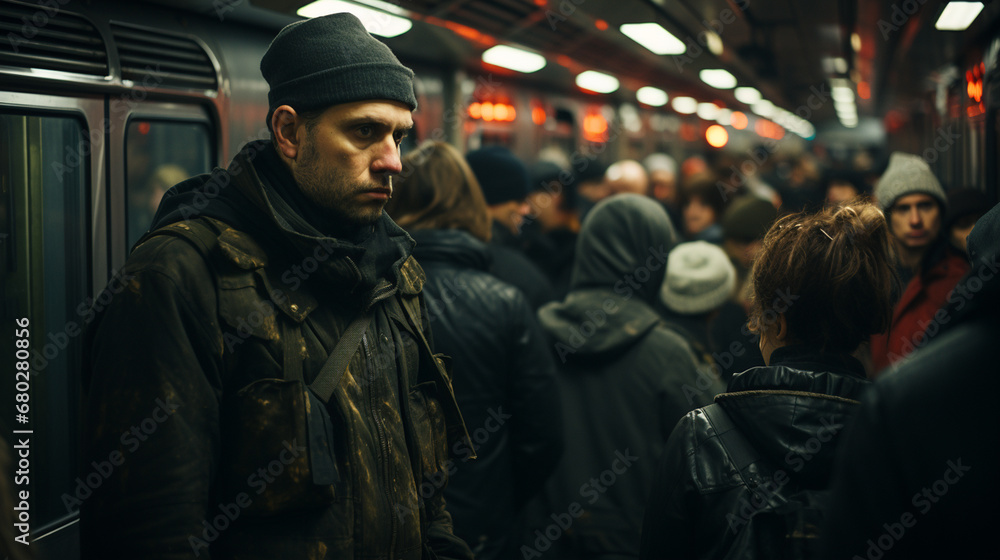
column 703, row 202
column 550, row 229
column 916, row 474
column 914, row 204
column 801, row 190
column 700, row 279
column 662, row 171
column 822, row 284
column 965, row 207
column 840, row 186
column 625, row 380
column 744, row 224
column 503, row 372
column 591, row 186
column 504, row 182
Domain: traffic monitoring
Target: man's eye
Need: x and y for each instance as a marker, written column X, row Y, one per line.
column 366, row 131
column 398, row 136
column 925, row 206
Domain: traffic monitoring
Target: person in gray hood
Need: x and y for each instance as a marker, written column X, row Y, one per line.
column 625, row 380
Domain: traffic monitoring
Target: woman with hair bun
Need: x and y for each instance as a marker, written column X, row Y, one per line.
column 821, row 285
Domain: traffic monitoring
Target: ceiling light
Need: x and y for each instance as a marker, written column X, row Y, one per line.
column 724, row 116
column 708, row 111
column 684, row 105
column 652, row 96
column 842, row 94
column 597, row 81
column 718, row 78
column 654, row 37
column 514, row 59
column 714, row 42
column 763, row 108
column 748, row 95
column 856, row 42
column 376, row 22
column 958, row 16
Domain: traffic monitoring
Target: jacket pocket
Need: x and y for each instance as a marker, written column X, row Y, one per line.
column 278, row 448
column 431, row 431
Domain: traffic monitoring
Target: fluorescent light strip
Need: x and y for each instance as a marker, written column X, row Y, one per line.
column 708, row 111
column 597, row 81
column 958, row 16
column 654, row 37
column 376, row 22
column 684, row 105
column 652, row 96
column 748, row 95
column 718, row 78
column 514, row 59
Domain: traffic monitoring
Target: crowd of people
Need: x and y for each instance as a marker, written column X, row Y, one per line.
column 358, row 353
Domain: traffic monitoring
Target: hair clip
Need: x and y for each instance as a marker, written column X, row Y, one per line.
column 826, row 234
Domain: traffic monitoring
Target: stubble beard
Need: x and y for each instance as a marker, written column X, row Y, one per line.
column 331, row 189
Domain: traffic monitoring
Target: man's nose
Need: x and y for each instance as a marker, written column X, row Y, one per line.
column 915, row 220
column 524, row 209
column 387, row 159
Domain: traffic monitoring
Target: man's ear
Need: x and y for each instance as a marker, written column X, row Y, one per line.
column 285, row 123
column 781, row 329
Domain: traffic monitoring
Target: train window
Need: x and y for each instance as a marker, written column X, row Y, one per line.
column 158, row 155
column 44, row 198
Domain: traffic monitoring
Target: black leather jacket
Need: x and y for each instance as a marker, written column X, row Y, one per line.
column 792, row 412
column 505, row 385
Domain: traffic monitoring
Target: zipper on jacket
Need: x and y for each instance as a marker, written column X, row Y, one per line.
column 383, row 444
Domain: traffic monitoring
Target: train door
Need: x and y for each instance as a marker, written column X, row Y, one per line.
column 52, row 155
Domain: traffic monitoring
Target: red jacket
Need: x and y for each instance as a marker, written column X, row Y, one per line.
column 914, row 313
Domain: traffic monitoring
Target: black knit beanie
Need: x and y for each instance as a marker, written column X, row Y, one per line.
column 501, row 175
column 325, row 61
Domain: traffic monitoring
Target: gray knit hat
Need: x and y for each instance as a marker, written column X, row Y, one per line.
column 907, row 174
column 700, row 277
column 325, row 61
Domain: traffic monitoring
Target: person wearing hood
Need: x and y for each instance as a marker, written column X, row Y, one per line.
column 625, row 380
column 916, row 474
column 821, row 285
column 505, row 380
column 264, row 386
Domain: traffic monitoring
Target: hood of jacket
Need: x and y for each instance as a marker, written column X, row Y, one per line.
column 367, row 265
column 621, row 256
column 793, row 410
column 451, row 246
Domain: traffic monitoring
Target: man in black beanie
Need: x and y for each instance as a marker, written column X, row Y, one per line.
column 264, row 387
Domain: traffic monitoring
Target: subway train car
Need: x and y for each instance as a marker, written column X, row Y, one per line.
column 104, row 105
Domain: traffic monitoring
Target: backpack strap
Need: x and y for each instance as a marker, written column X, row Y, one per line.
column 333, row 370
column 736, row 445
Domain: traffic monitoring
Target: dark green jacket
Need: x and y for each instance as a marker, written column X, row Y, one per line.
column 194, row 392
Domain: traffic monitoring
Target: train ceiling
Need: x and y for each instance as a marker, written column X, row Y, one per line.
column 787, row 49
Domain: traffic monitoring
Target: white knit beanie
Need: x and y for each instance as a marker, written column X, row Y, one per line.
column 700, row 277
column 907, row 174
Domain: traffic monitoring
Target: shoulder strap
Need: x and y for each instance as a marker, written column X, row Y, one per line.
column 733, row 441
column 202, row 233
column 336, row 365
